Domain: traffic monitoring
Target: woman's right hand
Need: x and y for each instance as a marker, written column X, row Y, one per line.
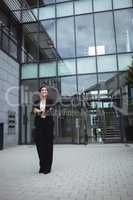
column 37, row 111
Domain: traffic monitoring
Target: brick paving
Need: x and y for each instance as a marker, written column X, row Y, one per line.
column 92, row 172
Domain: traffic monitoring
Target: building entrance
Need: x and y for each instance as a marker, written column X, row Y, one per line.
column 79, row 119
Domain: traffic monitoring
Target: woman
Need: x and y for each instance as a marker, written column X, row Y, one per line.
column 43, row 136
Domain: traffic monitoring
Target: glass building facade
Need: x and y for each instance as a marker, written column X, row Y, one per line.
column 83, row 48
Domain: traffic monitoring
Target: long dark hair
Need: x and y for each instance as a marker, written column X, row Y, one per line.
column 43, row 85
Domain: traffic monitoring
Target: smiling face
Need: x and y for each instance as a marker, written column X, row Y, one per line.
column 44, row 92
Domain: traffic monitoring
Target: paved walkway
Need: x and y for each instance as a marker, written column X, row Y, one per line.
column 93, row 172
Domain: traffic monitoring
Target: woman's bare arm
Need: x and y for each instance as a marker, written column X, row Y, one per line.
column 36, row 111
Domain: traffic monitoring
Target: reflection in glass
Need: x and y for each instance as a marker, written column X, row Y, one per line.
column 124, row 30
column 87, row 83
column 65, row 37
column 13, row 49
column 35, row 12
column 5, row 42
column 31, row 47
column 66, row 67
column 47, row 12
column 100, row 5
column 84, row 35
column 47, row 54
column 122, row 3
column 46, row 50
column 51, row 82
column 29, row 94
column 57, row 1
column 83, row 6
column 123, row 82
column 29, row 71
column 45, row 2
column 30, row 86
column 64, row 9
column 44, row 40
column 104, row 33
column 86, row 65
column 109, row 82
column 68, row 86
column 49, row 27
column 124, row 61
column 107, row 63
column 47, row 69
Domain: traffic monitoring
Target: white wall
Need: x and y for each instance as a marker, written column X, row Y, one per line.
column 9, row 77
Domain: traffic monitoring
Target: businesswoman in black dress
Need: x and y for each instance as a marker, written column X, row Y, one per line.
column 43, row 134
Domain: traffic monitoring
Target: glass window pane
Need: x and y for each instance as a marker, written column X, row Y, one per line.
column 65, row 37
column 124, row 30
column 31, row 47
column 100, row 5
column 86, row 65
column 29, row 94
column 46, row 45
column 5, row 42
column 29, row 91
column 84, row 35
column 30, row 85
column 124, row 61
column 44, row 40
column 29, row 71
column 66, row 67
column 47, row 54
column 13, row 49
column 51, row 82
column 45, row 2
column 35, row 12
column 83, row 6
column 104, row 33
column 107, row 63
column 57, row 1
column 49, row 27
column 87, row 82
column 109, row 82
column 68, row 86
column 64, row 9
column 47, row 69
column 47, row 12
column 122, row 3
column 123, row 84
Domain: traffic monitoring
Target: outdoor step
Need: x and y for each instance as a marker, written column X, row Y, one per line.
column 110, row 136
column 112, row 130
column 113, row 133
column 112, row 141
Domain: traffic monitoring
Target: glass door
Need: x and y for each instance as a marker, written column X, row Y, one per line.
column 29, row 90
